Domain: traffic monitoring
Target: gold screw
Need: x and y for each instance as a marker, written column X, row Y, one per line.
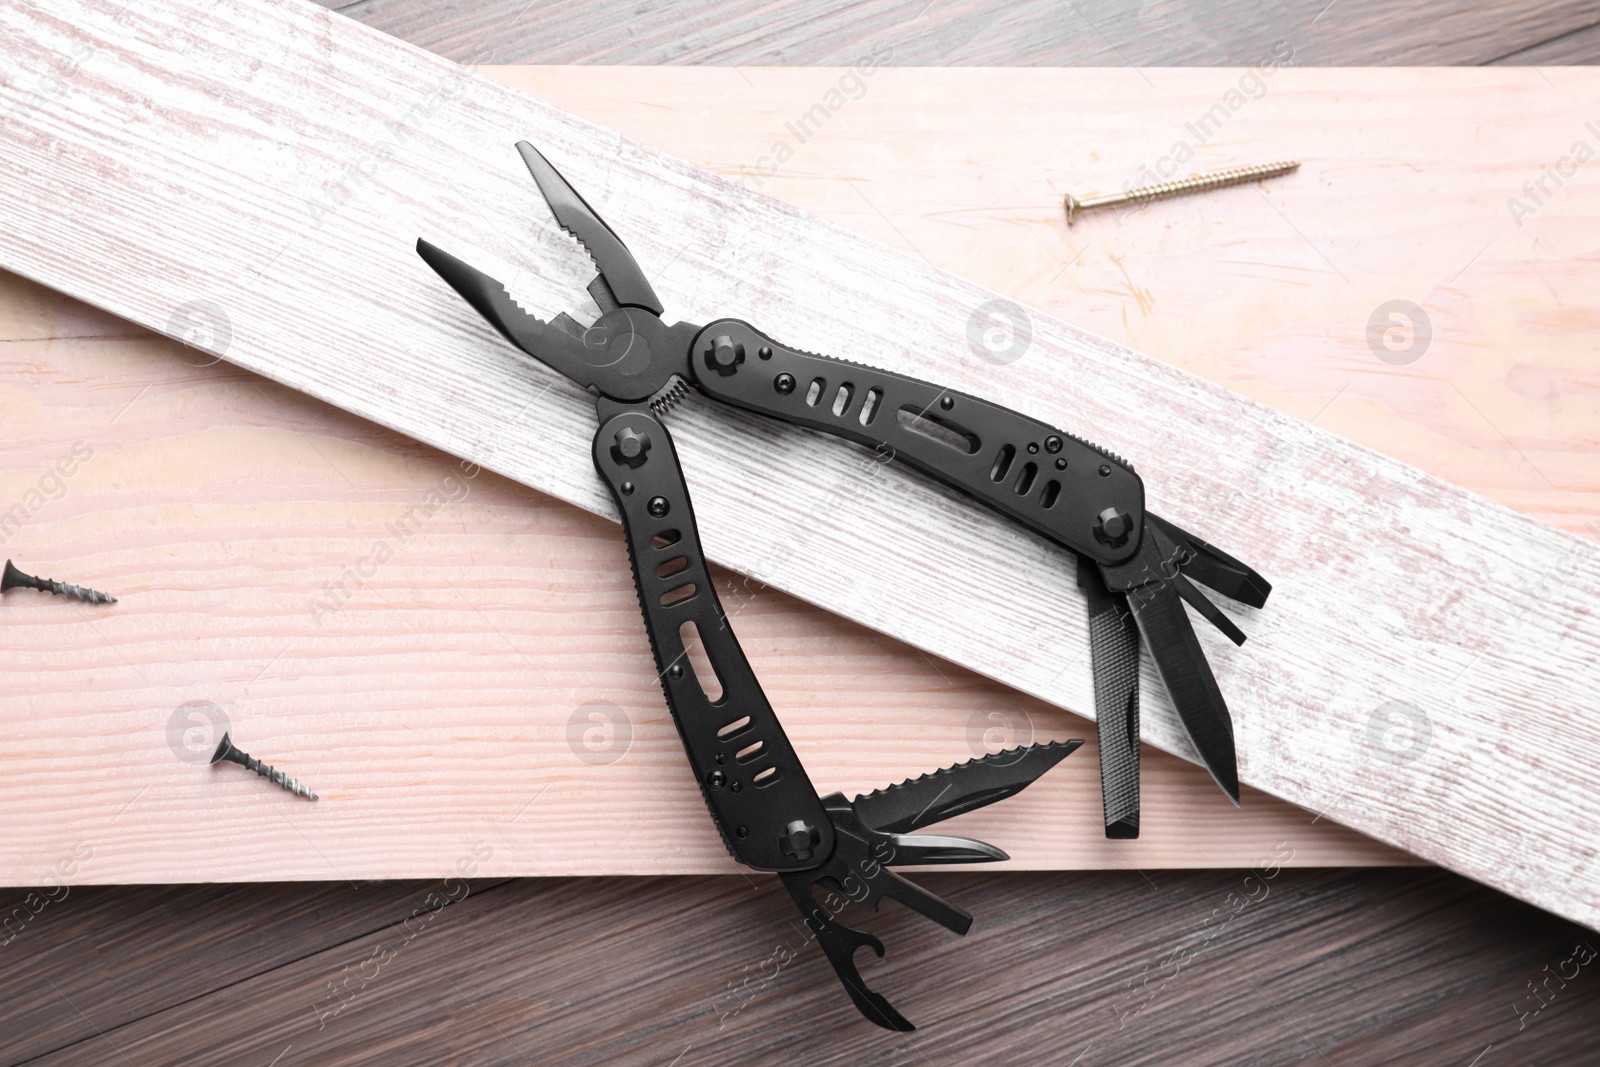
column 1194, row 184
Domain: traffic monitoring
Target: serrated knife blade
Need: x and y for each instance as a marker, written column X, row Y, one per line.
column 938, row 795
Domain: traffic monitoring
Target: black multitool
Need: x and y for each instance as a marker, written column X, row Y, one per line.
column 1077, row 495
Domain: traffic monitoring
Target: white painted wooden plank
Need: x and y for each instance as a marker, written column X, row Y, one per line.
column 278, row 162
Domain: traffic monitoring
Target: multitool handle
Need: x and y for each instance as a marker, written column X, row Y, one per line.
column 760, row 798
column 1050, row 481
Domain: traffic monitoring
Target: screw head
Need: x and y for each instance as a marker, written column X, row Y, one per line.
column 716, row 779
column 799, row 839
column 1112, row 527
column 658, row 506
column 784, row 383
column 224, row 748
column 1105, row 470
column 1052, row 444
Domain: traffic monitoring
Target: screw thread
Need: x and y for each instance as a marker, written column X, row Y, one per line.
column 1146, row 193
column 1221, row 179
column 278, row 778
column 77, row 592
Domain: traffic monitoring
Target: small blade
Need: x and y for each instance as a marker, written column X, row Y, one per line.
column 617, row 265
column 1209, row 611
column 931, row 798
column 1114, row 655
column 1214, row 568
column 1159, row 611
column 920, row 849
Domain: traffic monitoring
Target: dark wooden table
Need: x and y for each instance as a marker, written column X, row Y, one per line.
column 1340, row 968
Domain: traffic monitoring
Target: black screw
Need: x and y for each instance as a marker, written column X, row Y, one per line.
column 226, row 751
column 716, row 779
column 658, row 506
column 1052, row 444
column 947, row 402
column 765, row 352
column 784, row 383
column 15, row 579
column 1105, row 470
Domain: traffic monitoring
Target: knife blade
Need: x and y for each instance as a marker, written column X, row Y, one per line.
column 941, row 794
column 1159, row 612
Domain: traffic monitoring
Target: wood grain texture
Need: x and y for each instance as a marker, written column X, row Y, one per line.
column 1581, row 45
column 443, row 691
column 1354, row 968
column 1111, row 33
column 1503, row 398
column 1362, row 617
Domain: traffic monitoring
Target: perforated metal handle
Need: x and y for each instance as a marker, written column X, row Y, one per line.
column 757, row 791
column 1072, row 492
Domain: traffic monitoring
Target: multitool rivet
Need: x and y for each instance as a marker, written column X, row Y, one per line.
column 765, row 352
column 742, row 832
column 1052, row 444
column 1061, row 464
column 719, row 758
column 799, row 838
column 1112, row 526
column 725, row 356
column 1105, row 470
column 1033, row 448
column 631, row 446
column 658, row 506
column 948, row 402
column 676, row 670
column 627, row 488
column 737, row 786
column 784, row 383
